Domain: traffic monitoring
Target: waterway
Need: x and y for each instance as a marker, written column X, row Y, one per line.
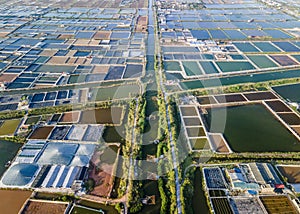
column 199, row 200
column 253, row 78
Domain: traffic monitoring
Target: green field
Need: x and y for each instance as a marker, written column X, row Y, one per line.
column 32, row 120
column 9, row 127
column 252, row 128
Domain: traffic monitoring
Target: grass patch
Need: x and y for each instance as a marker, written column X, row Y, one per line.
column 32, row 120
column 9, row 127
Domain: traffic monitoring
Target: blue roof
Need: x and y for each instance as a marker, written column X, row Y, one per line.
column 20, row 174
column 252, row 192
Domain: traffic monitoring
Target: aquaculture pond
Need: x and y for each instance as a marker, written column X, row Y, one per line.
column 199, row 200
column 32, row 120
column 7, row 152
column 192, row 68
column 266, row 47
column 240, row 79
column 246, row 47
column 172, row 66
column 84, row 210
column 115, row 92
column 208, row 67
column 262, row 61
column 245, row 133
column 114, row 134
column 235, row 66
column 111, row 115
column 289, row 92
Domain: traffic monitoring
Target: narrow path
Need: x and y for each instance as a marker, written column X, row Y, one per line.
column 131, row 161
column 165, row 95
column 132, row 143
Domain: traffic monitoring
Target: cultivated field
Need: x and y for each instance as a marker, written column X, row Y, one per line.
column 278, row 204
column 216, row 193
column 221, row 206
column 37, row 207
column 12, row 200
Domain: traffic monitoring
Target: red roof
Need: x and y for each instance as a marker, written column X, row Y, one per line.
column 279, row 186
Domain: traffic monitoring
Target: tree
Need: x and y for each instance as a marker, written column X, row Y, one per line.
column 89, row 185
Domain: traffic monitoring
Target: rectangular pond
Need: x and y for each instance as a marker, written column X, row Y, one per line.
column 199, row 199
column 289, row 92
column 235, row 66
column 240, row 79
column 245, row 133
column 262, row 61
